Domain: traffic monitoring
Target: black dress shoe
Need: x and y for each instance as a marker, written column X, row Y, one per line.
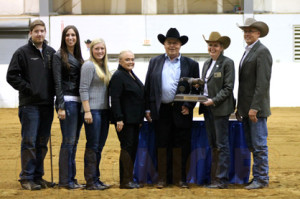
column 256, row 185
column 30, row 185
column 71, row 186
column 217, row 186
column 104, row 184
column 183, row 185
column 96, row 186
column 129, row 185
column 161, row 184
column 137, row 185
column 44, row 183
column 78, row 185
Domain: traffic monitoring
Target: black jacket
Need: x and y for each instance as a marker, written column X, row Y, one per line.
column 127, row 97
column 30, row 72
column 153, row 91
column 66, row 80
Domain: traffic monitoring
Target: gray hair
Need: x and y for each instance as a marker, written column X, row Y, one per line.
column 123, row 52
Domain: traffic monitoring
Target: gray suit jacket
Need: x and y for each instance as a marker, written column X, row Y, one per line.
column 254, row 82
column 220, row 85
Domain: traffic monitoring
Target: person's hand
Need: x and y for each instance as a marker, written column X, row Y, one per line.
column 196, row 86
column 61, row 114
column 252, row 115
column 238, row 116
column 148, row 116
column 119, row 126
column 185, row 110
column 208, row 102
column 88, row 118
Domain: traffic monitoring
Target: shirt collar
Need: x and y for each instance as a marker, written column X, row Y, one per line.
column 248, row 47
column 176, row 59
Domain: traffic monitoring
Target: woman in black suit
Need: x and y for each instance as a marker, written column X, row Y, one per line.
column 127, row 101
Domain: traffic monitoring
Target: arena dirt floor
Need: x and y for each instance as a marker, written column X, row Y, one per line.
column 284, row 150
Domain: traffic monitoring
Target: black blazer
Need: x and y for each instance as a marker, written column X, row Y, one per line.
column 189, row 68
column 127, row 97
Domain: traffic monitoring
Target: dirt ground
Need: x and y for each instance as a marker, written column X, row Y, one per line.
column 284, row 158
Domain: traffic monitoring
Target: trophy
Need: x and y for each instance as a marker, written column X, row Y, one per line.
column 192, row 82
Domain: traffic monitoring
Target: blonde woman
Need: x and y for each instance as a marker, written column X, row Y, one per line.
column 94, row 81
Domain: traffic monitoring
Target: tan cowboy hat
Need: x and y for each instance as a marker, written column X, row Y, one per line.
column 173, row 33
column 261, row 26
column 215, row 36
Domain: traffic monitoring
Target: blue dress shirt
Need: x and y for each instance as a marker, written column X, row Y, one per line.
column 170, row 78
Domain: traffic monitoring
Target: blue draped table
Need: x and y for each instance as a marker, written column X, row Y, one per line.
column 146, row 163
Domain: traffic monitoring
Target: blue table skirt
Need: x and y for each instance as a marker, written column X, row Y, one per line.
column 146, row 163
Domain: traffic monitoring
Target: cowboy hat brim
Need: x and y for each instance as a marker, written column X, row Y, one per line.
column 183, row 39
column 261, row 26
column 223, row 39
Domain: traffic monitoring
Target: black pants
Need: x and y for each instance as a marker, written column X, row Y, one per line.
column 173, row 147
column 129, row 138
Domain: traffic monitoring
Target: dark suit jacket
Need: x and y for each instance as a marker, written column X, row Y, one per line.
column 254, row 82
column 153, row 89
column 220, row 85
column 127, row 97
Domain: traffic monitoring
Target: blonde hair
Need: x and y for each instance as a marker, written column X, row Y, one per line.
column 102, row 71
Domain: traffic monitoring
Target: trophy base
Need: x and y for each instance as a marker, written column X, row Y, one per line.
column 190, row 98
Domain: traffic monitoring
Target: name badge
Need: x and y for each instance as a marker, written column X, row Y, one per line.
column 217, row 74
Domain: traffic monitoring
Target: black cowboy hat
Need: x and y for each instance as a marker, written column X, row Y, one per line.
column 87, row 41
column 173, row 33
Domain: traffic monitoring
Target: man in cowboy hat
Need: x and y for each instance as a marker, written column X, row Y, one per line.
column 86, row 52
column 254, row 98
column 172, row 120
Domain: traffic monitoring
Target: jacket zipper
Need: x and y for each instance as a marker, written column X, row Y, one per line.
column 40, row 54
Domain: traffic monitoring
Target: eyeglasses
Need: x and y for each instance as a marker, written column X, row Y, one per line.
column 250, row 31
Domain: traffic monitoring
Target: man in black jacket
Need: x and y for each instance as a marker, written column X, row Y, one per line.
column 172, row 120
column 30, row 73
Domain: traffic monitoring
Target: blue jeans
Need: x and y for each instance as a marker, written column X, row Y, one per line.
column 70, row 128
column 218, row 138
column 96, row 134
column 256, row 138
column 36, row 124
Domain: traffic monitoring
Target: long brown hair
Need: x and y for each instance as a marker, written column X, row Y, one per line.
column 64, row 49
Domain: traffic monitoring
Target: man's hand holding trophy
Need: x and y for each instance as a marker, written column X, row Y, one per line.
column 194, row 85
